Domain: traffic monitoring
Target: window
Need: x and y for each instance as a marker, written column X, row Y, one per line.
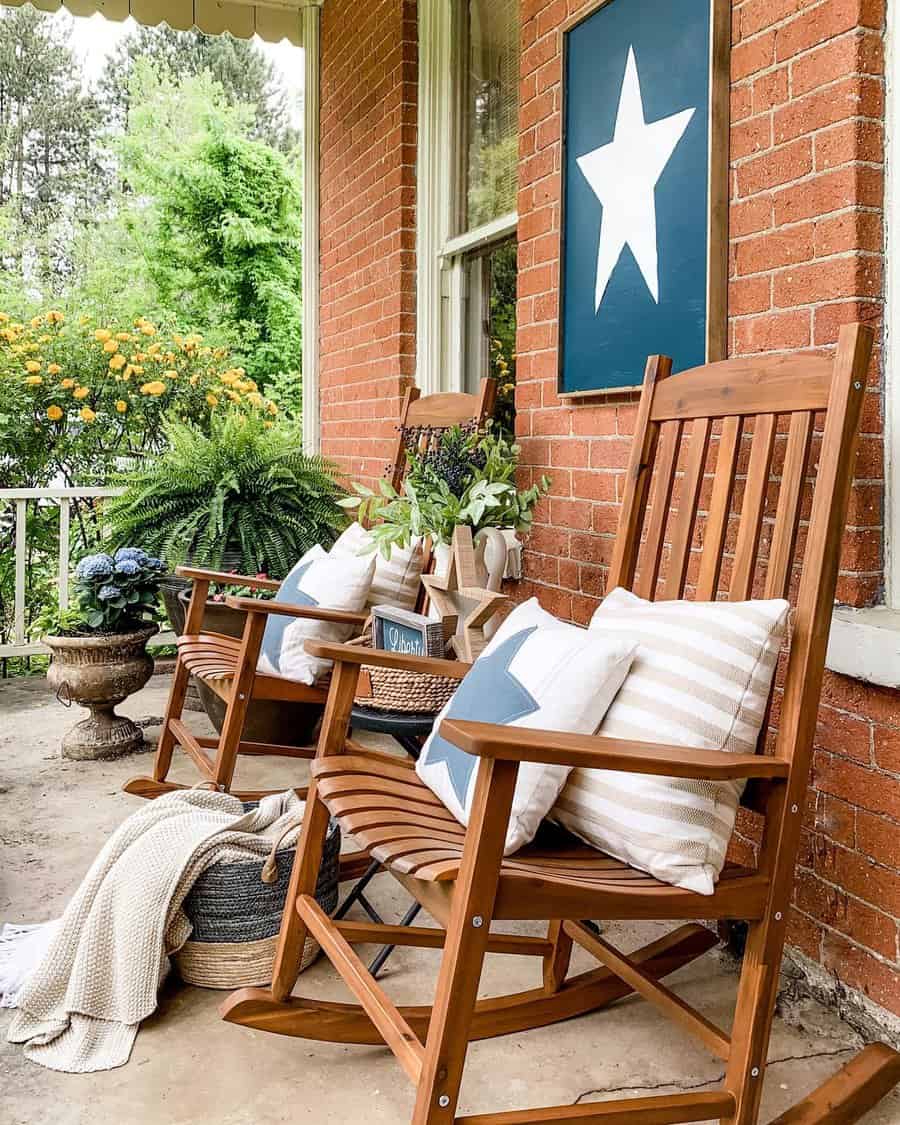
column 468, row 177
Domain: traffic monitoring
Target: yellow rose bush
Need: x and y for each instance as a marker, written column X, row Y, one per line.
column 82, row 399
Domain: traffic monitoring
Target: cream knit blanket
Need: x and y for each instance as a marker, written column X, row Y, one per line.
column 80, row 1008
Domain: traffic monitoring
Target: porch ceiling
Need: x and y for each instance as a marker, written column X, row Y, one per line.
column 272, row 20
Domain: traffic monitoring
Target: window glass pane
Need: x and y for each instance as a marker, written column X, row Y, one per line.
column 492, row 106
column 491, row 327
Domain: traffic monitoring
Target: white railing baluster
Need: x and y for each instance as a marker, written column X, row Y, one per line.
column 19, row 600
column 64, row 508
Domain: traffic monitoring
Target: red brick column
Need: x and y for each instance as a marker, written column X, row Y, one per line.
column 805, row 257
column 368, row 157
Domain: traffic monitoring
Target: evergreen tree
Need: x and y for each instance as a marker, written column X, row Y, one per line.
column 53, row 173
column 217, row 217
column 241, row 69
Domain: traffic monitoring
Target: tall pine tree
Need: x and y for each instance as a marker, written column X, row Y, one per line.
column 239, row 66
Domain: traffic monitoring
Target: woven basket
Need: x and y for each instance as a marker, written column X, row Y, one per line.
column 237, row 917
column 393, row 689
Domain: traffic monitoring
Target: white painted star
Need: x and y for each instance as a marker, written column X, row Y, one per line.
column 623, row 175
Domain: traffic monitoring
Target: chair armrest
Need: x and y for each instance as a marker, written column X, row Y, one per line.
column 308, row 612
column 358, row 654
column 223, row 578
column 517, row 744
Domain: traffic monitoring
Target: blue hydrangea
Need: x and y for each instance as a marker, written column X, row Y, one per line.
column 108, row 592
column 156, row 564
column 94, row 568
column 128, row 567
column 131, row 554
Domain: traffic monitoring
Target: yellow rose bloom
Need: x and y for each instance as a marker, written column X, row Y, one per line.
column 121, row 406
column 154, row 348
column 67, row 384
column 81, row 392
column 272, row 408
column 194, row 379
column 240, row 372
column 54, row 413
column 111, row 346
column 33, row 380
column 86, row 414
column 255, row 399
column 268, row 425
column 37, row 321
column 32, row 366
column 125, row 337
column 55, row 317
column 53, row 369
column 137, row 370
column 155, row 388
column 148, row 330
column 233, row 395
column 212, row 400
column 228, row 378
column 117, row 362
column 102, row 334
column 171, row 374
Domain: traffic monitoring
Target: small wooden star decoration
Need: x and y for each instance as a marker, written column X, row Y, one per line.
column 464, row 606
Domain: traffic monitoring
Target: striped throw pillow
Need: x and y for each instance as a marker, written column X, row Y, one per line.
column 396, row 580
column 701, row 677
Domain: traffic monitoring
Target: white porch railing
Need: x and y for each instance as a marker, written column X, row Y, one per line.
column 62, row 497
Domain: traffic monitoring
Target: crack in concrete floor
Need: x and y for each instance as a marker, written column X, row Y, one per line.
column 688, row 1086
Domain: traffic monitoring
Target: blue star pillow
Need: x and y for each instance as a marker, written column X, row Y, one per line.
column 318, row 579
column 537, row 672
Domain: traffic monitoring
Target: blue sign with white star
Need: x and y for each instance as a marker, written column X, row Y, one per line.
column 490, row 693
column 637, row 160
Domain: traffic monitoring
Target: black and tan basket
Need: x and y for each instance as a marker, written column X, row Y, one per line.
column 237, row 917
column 394, row 689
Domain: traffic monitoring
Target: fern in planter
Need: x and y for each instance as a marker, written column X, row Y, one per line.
column 244, row 490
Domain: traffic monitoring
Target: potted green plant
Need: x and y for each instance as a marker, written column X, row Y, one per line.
column 242, row 497
column 239, row 497
column 463, row 479
column 99, row 648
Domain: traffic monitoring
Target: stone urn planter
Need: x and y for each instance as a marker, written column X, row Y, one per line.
column 98, row 672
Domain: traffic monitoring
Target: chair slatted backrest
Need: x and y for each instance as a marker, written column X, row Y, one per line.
column 714, row 502
column 423, row 420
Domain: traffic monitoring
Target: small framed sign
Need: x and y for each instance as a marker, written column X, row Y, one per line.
column 398, row 630
column 645, row 190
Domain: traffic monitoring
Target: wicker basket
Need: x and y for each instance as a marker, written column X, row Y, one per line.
column 237, row 917
column 393, row 689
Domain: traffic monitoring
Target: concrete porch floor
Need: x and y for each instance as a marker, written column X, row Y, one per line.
column 188, row 1067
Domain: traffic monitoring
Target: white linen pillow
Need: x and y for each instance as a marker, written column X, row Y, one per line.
column 701, row 677
column 539, row 673
column 318, row 579
column 396, row 580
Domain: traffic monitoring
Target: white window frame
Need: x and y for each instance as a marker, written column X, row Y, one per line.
column 442, row 318
column 865, row 643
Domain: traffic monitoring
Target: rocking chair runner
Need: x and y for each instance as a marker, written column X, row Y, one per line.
column 460, row 875
column 228, row 666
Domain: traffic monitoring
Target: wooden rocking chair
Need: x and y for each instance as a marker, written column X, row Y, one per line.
column 228, row 666
column 461, row 876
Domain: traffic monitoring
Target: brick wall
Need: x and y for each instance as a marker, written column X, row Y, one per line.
column 806, row 229
column 805, row 257
column 368, row 155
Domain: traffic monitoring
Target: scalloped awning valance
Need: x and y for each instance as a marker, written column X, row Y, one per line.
column 269, row 19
